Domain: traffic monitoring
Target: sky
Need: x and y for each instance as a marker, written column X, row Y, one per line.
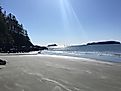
column 67, row 22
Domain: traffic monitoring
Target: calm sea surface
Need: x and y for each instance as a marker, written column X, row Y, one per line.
column 107, row 52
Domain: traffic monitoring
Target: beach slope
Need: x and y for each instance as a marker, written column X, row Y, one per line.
column 57, row 73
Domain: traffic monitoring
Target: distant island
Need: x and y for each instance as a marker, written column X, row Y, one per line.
column 97, row 43
column 13, row 36
column 52, row 45
column 103, row 43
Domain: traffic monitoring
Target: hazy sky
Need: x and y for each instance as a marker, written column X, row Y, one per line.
column 67, row 21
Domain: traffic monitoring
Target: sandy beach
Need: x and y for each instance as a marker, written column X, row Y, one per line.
column 57, row 73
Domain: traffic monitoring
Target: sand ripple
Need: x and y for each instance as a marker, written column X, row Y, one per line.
column 58, row 85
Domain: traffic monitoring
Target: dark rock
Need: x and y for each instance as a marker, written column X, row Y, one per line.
column 2, row 62
column 52, row 45
column 39, row 52
column 39, row 48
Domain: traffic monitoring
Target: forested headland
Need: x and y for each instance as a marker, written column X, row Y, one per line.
column 13, row 36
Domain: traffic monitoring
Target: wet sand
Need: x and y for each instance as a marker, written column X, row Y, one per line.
column 54, row 73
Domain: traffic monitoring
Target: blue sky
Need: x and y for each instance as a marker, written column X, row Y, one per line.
column 67, row 22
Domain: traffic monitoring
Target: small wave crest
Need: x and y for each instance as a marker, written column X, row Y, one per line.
column 105, row 56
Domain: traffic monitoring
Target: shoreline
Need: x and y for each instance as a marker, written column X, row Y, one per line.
column 69, row 58
column 59, row 56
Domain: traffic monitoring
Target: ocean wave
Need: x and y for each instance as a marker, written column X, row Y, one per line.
column 105, row 56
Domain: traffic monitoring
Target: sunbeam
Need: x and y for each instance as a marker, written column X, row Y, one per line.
column 70, row 20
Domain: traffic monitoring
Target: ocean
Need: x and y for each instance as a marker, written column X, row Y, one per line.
column 106, row 52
